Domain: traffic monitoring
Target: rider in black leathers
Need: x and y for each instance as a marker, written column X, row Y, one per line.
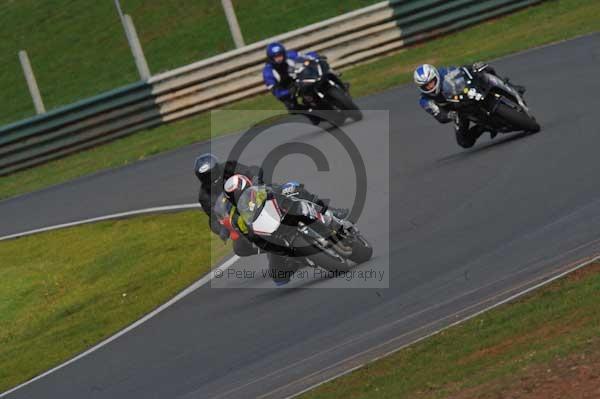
column 212, row 176
column 281, row 266
column 430, row 81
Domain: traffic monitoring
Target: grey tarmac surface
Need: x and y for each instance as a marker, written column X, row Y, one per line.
column 466, row 229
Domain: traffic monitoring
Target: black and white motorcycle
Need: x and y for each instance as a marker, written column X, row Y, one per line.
column 299, row 229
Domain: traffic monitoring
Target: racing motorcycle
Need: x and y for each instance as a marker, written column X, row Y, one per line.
column 319, row 89
column 299, row 229
column 488, row 101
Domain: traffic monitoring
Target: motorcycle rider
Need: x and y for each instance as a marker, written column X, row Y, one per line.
column 212, row 176
column 433, row 100
column 276, row 76
column 281, row 267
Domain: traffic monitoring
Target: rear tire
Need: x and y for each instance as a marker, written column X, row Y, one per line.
column 518, row 120
column 344, row 103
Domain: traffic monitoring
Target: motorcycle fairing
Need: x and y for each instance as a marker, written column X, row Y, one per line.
column 269, row 219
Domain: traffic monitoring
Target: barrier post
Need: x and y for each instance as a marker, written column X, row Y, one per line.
column 31, row 83
column 134, row 43
column 234, row 26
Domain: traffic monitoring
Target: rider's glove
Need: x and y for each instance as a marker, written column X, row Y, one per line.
column 284, row 94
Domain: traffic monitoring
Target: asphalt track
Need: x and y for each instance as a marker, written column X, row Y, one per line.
column 466, row 229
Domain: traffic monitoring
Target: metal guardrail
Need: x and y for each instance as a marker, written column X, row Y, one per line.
column 347, row 39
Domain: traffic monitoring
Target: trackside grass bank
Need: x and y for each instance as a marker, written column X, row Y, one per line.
column 545, row 345
column 549, row 22
column 78, row 48
column 63, row 291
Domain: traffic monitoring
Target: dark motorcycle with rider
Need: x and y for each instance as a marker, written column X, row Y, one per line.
column 318, row 88
column 474, row 95
column 296, row 230
column 306, row 83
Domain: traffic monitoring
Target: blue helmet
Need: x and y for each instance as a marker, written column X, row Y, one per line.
column 274, row 49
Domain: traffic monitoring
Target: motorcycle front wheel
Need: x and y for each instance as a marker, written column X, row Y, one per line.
column 516, row 119
column 361, row 251
column 342, row 101
column 318, row 257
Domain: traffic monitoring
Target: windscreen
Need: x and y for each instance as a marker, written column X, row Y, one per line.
column 454, row 84
column 306, row 68
column 251, row 202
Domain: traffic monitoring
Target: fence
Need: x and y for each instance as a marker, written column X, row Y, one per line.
column 347, row 39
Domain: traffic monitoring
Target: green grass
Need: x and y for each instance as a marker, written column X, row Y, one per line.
column 554, row 20
column 491, row 351
column 64, row 291
column 78, row 48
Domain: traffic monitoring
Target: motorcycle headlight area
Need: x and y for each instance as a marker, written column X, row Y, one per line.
column 472, row 94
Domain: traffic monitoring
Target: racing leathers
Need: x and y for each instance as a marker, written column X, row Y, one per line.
column 280, row 83
column 280, row 264
column 212, row 187
column 441, row 109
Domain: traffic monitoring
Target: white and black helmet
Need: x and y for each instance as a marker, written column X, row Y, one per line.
column 235, row 186
column 424, row 75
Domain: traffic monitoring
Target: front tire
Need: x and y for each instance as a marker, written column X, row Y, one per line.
column 344, row 103
column 516, row 119
column 329, row 263
column 319, row 258
column 361, row 251
column 465, row 139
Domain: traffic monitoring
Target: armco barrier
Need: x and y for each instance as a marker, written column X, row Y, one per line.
column 347, row 39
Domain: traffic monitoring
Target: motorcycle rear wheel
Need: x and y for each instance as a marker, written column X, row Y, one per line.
column 518, row 120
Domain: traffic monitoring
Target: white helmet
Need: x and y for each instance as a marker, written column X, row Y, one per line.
column 424, row 75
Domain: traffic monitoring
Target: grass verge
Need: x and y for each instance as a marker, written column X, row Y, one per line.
column 65, row 290
column 554, row 20
column 78, row 48
column 497, row 355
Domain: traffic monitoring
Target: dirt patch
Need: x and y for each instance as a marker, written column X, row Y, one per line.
column 574, row 377
column 543, row 333
column 584, row 272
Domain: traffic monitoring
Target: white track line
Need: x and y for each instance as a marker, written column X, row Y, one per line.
column 464, row 319
column 202, row 281
column 103, row 218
